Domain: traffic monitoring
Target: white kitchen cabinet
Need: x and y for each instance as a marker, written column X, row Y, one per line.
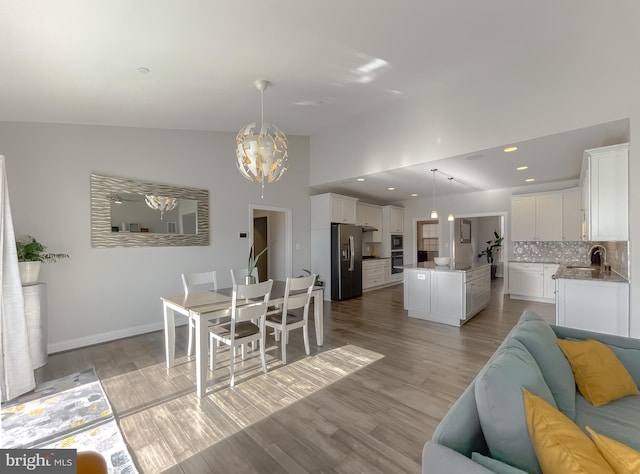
column 327, row 208
column 549, row 282
column 600, row 306
column 393, row 219
column 571, row 214
column 343, row 209
column 449, row 297
column 605, row 192
column 526, row 279
column 536, row 216
column 370, row 215
column 375, row 272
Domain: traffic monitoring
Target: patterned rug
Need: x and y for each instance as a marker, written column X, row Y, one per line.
column 72, row 412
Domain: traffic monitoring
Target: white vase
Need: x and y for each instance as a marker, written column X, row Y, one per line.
column 29, row 272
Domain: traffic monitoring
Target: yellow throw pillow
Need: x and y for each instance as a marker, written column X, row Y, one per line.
column 599, row 374
column 561, row 447
column 622, row 458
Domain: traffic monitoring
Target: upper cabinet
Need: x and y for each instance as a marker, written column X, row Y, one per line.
column 605, row 193
column 329, row 207
column 549, row 216
column 536, row 216
column 370, row 215
column 393, row 219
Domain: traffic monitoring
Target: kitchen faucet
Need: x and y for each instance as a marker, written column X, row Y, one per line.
column 596, row 252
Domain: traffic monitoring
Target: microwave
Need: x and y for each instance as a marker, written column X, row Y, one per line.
column 396, row 242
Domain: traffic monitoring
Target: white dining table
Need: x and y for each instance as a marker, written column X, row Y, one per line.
column 206, row 306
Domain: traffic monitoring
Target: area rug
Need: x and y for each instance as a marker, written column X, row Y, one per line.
column 71, row 412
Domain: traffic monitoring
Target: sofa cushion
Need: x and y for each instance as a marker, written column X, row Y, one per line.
column 560, row 444
column 498, row 390
column 619, row 456
column 529, row 315
column 540, row 340
column 619, row 419
column 600, row 375
column 496, row 466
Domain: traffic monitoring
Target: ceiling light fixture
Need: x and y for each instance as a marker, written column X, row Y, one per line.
column 522, row 168
column 390, row 189
column 414, row 194
column 360, row 180
column 529, row 180
column 434, row 212
column 262, row 155
column 450, row 217
column 160, row 203
column 509, row 149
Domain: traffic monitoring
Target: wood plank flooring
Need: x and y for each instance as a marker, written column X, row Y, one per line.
column 365, row 402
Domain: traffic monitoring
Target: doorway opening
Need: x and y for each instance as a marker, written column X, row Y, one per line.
column 271, row 229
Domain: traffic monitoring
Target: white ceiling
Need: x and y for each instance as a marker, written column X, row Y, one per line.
column 77, row 61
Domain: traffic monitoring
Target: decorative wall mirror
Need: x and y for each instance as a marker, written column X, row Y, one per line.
column 131, row 213
column 465, row 231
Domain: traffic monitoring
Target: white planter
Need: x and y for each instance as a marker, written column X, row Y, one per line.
column 29, row 272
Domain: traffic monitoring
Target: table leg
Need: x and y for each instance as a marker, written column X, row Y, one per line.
column 202, row 334
column 318, row 316
column 169, row 335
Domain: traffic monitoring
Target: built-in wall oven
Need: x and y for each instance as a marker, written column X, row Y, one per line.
column 396, row 242
column 397, row 261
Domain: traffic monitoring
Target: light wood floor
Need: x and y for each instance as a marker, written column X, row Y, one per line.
column 365, row 402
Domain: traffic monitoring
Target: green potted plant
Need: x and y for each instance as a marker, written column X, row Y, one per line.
column 491, row 251
column 318, row 281
column 251, row 264
column 31, row 254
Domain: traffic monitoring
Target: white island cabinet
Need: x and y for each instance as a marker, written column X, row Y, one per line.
column 449, row 295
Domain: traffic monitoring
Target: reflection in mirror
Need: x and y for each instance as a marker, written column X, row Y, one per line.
column 132, row 213
column 128, row 208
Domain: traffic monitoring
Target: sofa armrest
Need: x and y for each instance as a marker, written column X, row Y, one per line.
column 438, row 459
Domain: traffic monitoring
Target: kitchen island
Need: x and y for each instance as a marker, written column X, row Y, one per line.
column 449, row 294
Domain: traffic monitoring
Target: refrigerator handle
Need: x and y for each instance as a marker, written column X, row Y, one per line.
column 351, row 248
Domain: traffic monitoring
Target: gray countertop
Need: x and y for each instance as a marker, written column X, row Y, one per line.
column 588, row 273
column 453, row 267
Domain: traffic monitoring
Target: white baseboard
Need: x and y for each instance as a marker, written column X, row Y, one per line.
column 105, row 337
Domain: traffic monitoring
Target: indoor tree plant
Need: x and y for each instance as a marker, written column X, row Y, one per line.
column 31, row 254
column 491, row 251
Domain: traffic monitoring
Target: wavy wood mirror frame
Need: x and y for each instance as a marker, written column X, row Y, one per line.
column 102, row 187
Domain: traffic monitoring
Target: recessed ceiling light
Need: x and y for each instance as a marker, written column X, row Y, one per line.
column 144, row 70
column 360, row 180
column 522, row 168
column 528, row 180
column 509, row 149
column 390, row 189
column 414, row 194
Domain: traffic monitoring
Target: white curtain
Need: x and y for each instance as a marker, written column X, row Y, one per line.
column 15, row 359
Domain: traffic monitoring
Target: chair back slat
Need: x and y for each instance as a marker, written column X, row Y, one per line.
column 259, row 293
column 298, row 300
column 206, row 280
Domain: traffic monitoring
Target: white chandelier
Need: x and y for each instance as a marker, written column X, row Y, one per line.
column 160, row 203
column 262, row 155
column 434, row 212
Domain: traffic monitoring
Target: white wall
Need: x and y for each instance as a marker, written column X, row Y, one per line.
column 102, row 294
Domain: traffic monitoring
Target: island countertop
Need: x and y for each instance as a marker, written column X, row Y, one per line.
column 453, row 267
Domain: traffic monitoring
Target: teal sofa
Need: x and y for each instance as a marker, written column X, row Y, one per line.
column 485, row 429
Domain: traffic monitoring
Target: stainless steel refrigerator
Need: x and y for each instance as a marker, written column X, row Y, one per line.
column 346, row 261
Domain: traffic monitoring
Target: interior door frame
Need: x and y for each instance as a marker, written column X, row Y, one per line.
column 287, row 231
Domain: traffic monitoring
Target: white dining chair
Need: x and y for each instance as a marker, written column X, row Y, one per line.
column 297, row 296
column 247, row 324
column 197, row 282
column 238, row 274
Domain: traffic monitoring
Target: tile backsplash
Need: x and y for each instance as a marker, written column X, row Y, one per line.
column 571, row 253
